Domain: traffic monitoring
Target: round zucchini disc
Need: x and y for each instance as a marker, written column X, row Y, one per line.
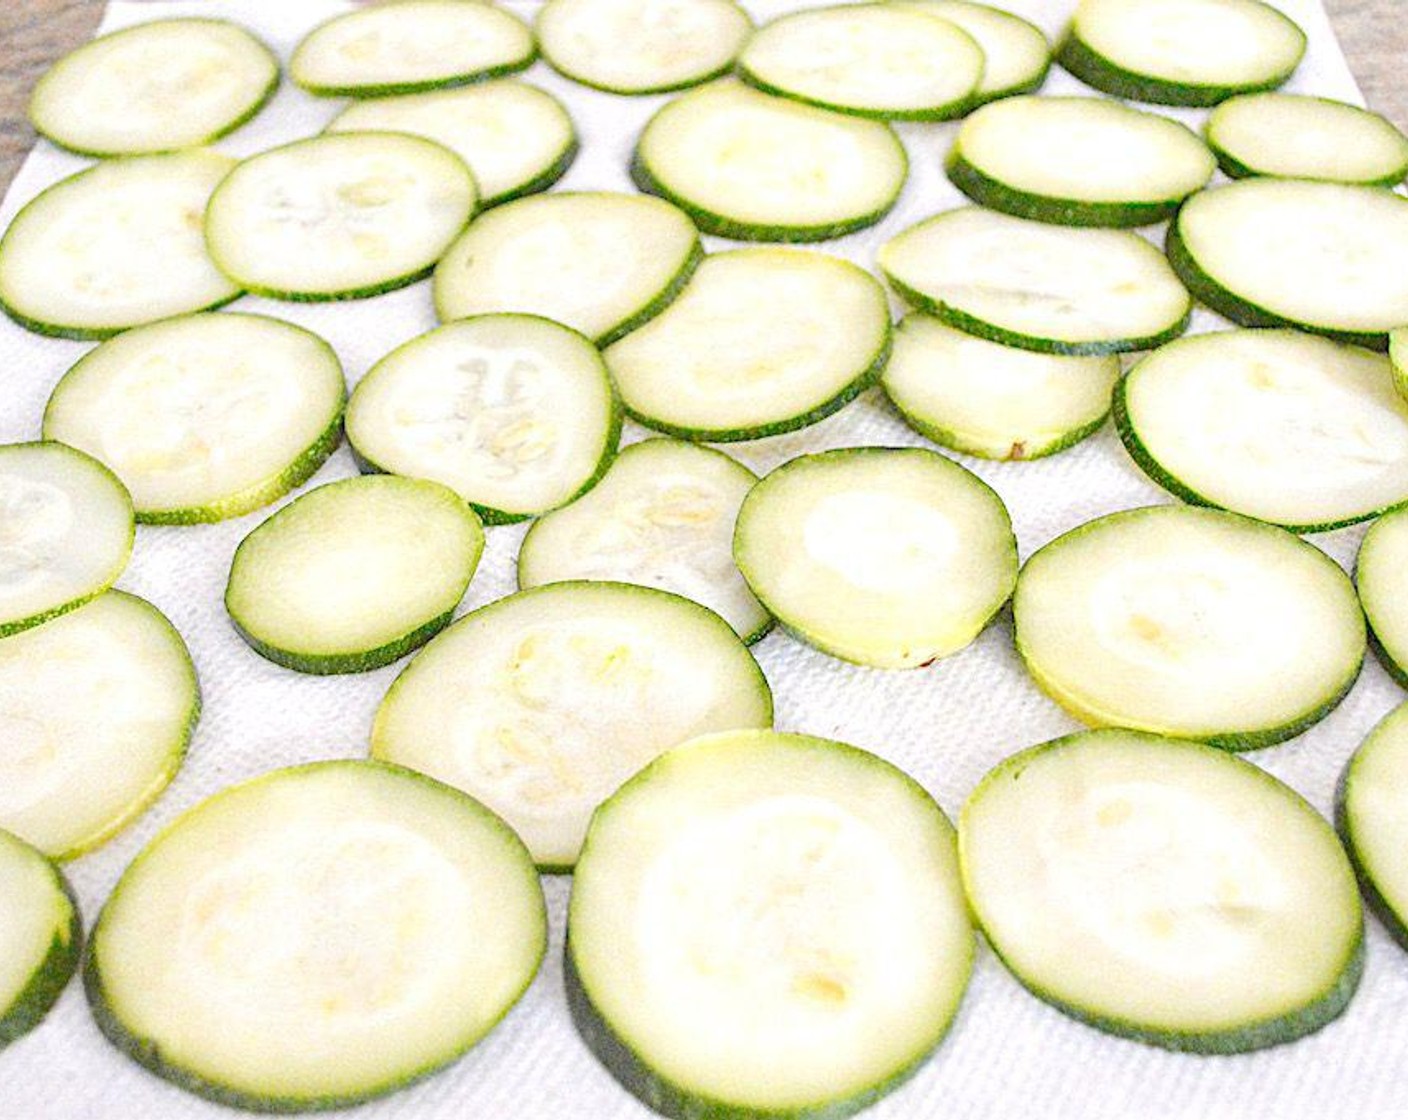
column 1036, row 286
column 884, row 556
column 766, row 924
column 544, row 702
column 1181, row 52
column 67, row 532
column 316, row 937
column 1163, row 890
column 1381, row 576
column 1372, row 814
column 747, row 165
column 115, row 246
column 1278, row 425
column 1016, row 53
column 641, row 46
column 41, row 937
column 994, row 401
column 96, row 710
column 204, row 417
column 339, row 216
column 513, row 412
column 1320, row 257
column 515, row 138
column 760, row 341
column 155, row 87
column 354, row 574
column 1189, row 622
column 661, row 517
column 410, row 45
column 598, row 262
column 1080, row 161
column 872, row 60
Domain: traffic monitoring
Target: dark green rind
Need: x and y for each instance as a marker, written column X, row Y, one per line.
column 359, row 661
column 947, row 112
column 94, row 334
column 544, row 179
column 644, row 91
column 657, row 302
column 50, row 979
column 1020, row 450
column 1031, row 85
column 1377, row 904
column 391, row 89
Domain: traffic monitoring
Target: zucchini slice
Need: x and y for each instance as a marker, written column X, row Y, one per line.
column 1035, row 286
column 339, row 216
column 515, row 138
column 661, row 517
column 96, row 711
column 1294, row 136
column 155, row 87
column 598, row 262
column 754, row 167
column 67, row 532
column 204, row 417
column 1189, row 622
column 1320, row 257
column 1078, row 161
column 41, row 937
column 1016, row 53
column 1371, row 810
column 515, row 413
column 761, row 341
column 316, row 937
column 766, row 924
column 1164, row 891
column 994, row 401
column 884, row 556
column 542, row 703
column 352, row 575
column 1282, row 426
column 408, row 46
column 1381, row 575
column 641, row 46
column 870, row 60
column 115, row 246
column 1180, row 52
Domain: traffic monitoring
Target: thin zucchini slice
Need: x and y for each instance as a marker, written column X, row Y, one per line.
column 1078, row 161
column 96, row 710
column 641, row 46
column 408, row 46
column 1016, row 53
column 1181, row 52
column 1381, row 575
column 1294, row 136
column 661, row 517
column 1371, row 810
column 1036, row 286
column 884, row 556
column 514, row 137
column 871, row 60
column 66, row 532
column 155, row 87
column 761, row 341
column 598, row 262
column 339, row 216
column 204, row 417
column 115, row 246
column 515, row 413
column 542, row 703
column 352, row 575
column 1320, row 257
column 994, row 401
column 1281, row 426
column 316, row 937
column 41, row 937
column 1189, row 622
column 1163, row 890
column 746, row 165
column 765, row 924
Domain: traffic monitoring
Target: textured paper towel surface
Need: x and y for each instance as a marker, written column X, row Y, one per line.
column 1007, row 1055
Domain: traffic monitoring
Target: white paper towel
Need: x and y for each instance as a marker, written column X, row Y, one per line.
column 1008, row 1055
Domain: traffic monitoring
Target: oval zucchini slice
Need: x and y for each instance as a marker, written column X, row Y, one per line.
column 542, row 703
column 355, row 574
column 1381, row 576
column 1189, row 622
column 749, row 895
column 1164, row 891
column 884, row 556
column 1372, row 815
column 1016, row 53
column 316, row 937
column 41, row 937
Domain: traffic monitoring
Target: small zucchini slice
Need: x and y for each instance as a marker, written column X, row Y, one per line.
column 1381, row 575
column 745, row 897
column 1164, row 891
column 41, row 937
column 1372, row 815
column 1016, row 53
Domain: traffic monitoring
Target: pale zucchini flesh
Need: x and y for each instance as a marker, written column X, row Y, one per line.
column 1381, row 576
column 41, row 936
column 1016, row 53
column 1371, row 811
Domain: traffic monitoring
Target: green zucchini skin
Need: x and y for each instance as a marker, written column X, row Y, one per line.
column 325, row 665
column 89, row 334
column 951, row 111
column 391, row 89
column 541, row 182
column 662, row 300
column 1019, row 452
column 52, row 976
